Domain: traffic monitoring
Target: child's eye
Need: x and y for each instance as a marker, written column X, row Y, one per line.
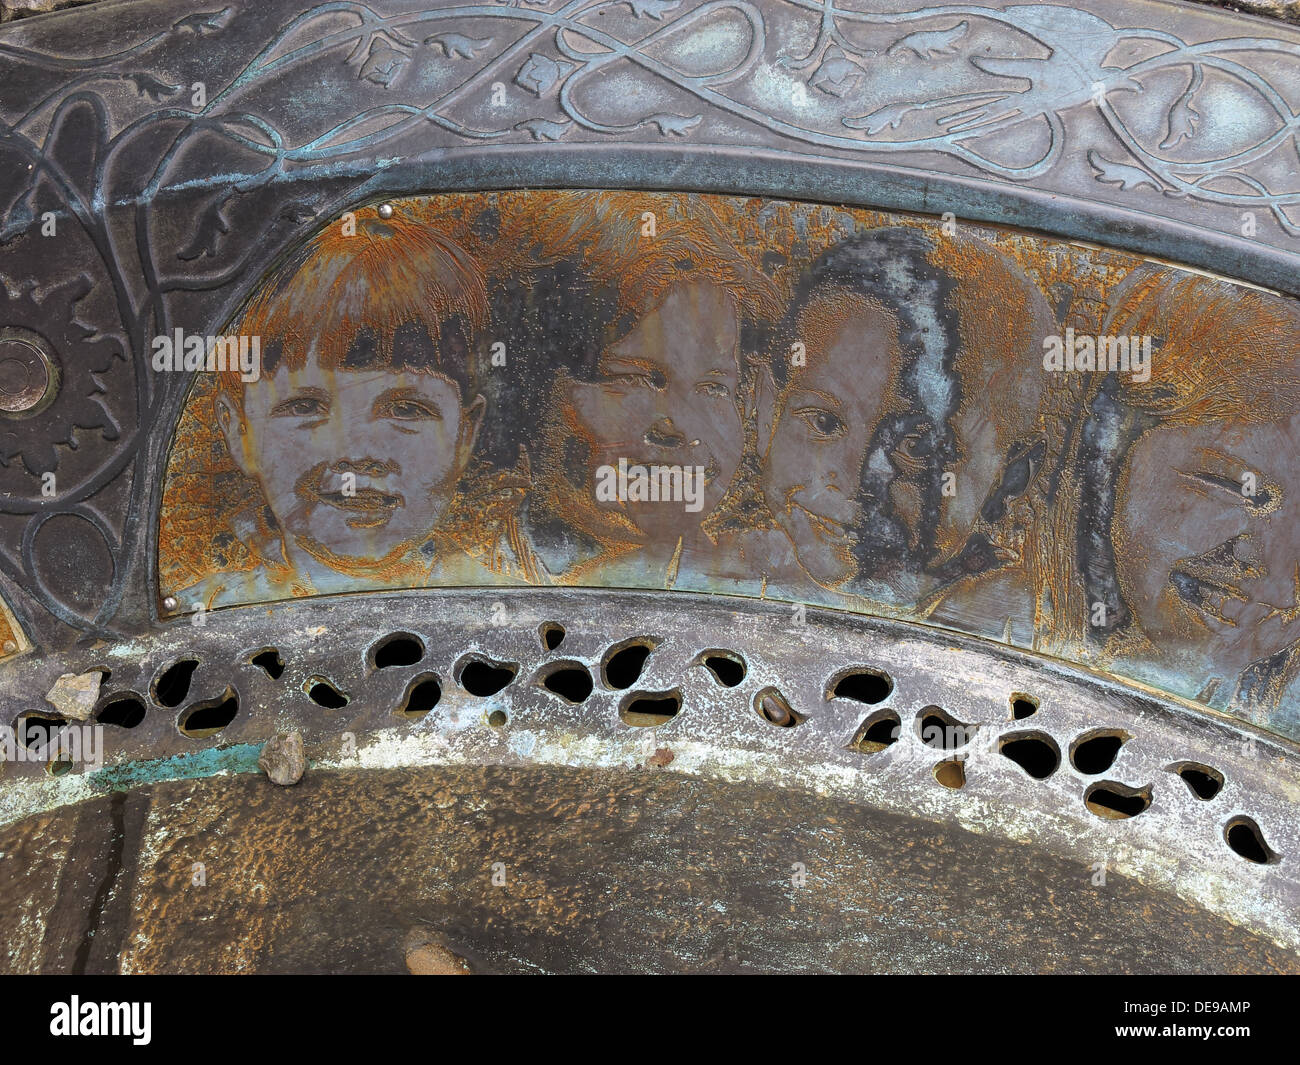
column 825, row 424
column 412, row 410
column 301, row 407
column 654, row 379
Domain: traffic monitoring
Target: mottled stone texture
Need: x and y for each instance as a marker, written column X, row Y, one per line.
column 563, row 870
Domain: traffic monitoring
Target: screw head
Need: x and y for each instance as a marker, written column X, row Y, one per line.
column 385, row 210
column 29, row 375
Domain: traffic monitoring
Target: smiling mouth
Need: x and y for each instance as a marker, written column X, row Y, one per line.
column 368, row 507
column 823, row 528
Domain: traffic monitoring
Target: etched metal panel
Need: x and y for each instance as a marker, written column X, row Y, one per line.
column 850, row 267
column 762, row 398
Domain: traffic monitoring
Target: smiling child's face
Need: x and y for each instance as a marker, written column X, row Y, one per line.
column 362, row 463
column 667, row 396
column 826, row 417
column 1204, row 565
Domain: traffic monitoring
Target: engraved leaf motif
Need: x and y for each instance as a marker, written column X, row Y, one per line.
column 655, row 9
column 927, row 43
column 884, row 117
column 838, row 75
column 1183, row 118
column 382, row 64
column 21, row 216
column 202, row 23
column 540, row 72
column 457, row 45
column 154, row 88
column 677, row 125
column 543, row 129
column 1124, row 175
column 211, row 230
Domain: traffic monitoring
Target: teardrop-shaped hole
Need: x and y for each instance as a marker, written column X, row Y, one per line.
column 1115, row 801
column 862, row 684
column 1204, row 781
column 569, row 680
column 36, row 730
column 422, row 694
column 211, row 716
column 937, row 728
column 396, row 649
column 774, row 708
column 624, row 663
column 484, row 677
column 877, row 732
column 269, row 661
column 323, row 692
column 728, row 667
column 125, row 710
column 552, row 634
column 650, row 709
column 171, row 686
column 1095, row 751
column 1035, row 752
column 1244, row 837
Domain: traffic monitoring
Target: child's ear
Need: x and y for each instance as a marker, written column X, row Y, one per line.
column 230, row 421
column 471, row 421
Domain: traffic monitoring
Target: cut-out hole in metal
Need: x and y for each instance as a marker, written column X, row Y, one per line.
column 396, row 649
column 270, row 662
column 1244, row 837
column 552, row 634
column 1094, row 752
column 422, row 695
column 877, row 732
column 569, row 680
column 322, row 692
column 1035, row 752
column 483, row 677
column 650, row 709
column 951, row 774
column 211, row 716
column 937, row 728
column 1023, row 706
column 172, row 685
column 1204, row 781
column 728, row 667
column 36, row 730
column 125, row 711
column 1115, row 801
column 774, row 708
column 862, row 685
column 624, row 662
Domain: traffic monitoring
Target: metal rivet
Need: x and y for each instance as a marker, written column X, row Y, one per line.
column 385, row 210
column 169, row 603
column 29, row 376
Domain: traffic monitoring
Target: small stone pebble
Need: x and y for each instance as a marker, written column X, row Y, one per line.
column 283, row 760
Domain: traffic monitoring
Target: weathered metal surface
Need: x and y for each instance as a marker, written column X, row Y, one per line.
column 947, row 699
column 164, row 169
column 780, row 400
column 642, row 871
